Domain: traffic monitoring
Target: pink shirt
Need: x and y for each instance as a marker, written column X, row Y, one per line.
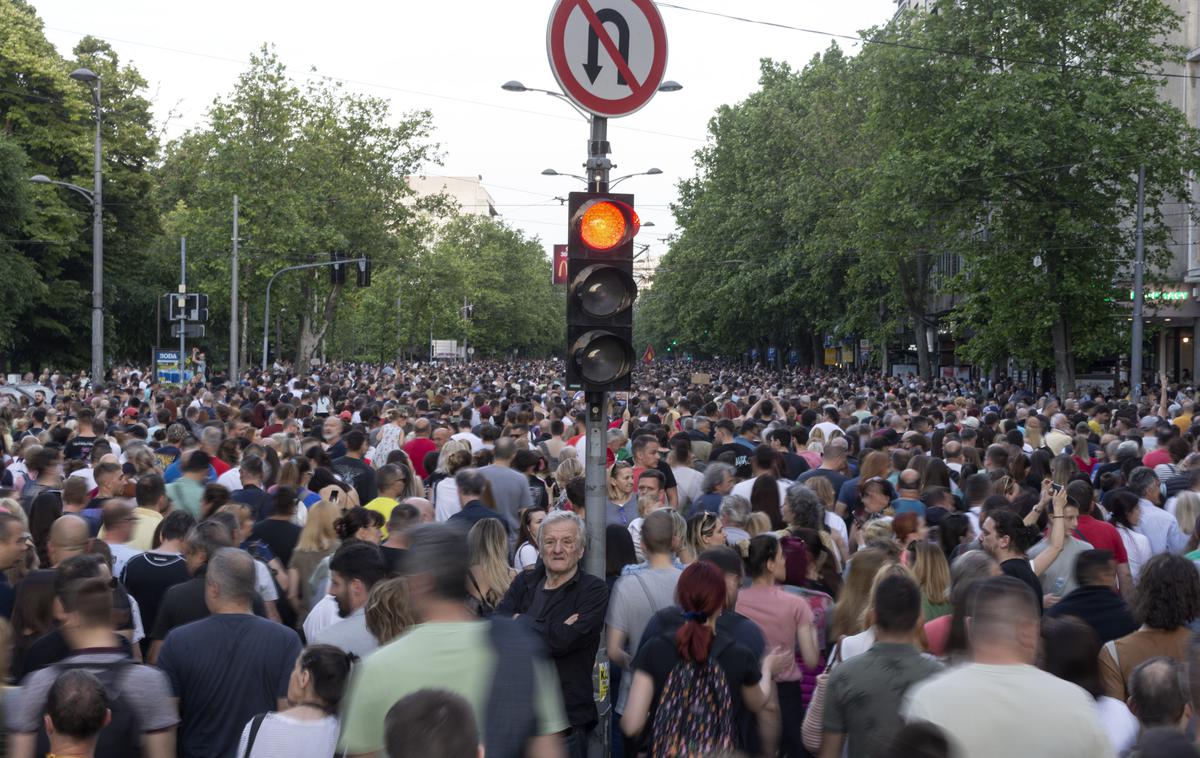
column 779, row 614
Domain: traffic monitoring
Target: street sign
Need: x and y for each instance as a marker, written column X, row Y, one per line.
column 190, row 331
column 166, row 367
column 609, row 56
column 560, row 265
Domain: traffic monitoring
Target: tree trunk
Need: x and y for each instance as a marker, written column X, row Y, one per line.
column 1064, row 361
column 921, row 336
column 312, row 339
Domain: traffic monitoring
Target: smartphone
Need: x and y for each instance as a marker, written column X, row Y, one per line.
column 1056, row 488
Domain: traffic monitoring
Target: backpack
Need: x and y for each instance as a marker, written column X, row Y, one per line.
column 123, row 735
column 694, row 716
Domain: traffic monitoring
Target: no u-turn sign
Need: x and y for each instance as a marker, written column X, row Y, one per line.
column 609, row 56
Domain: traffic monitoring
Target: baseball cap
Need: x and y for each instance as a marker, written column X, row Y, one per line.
column 971, row 421
column 131, row 412
column 345, row 415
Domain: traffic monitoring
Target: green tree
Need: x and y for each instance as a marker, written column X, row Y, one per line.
column 317, row 170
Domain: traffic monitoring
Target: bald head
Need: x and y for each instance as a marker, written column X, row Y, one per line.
column 421, row 427
column 422, row 505
column 68, row 536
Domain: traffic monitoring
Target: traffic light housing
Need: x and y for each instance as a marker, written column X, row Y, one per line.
column 337, row 272
column 601, row 291
column 364, row 272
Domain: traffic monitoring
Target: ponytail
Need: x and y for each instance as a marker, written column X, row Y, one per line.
column 700, row 593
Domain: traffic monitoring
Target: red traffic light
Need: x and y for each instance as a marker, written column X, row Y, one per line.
column 606, row 224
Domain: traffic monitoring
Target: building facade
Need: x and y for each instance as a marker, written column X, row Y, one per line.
column 467, row 191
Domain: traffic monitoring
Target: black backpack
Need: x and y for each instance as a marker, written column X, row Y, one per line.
column 123, row 735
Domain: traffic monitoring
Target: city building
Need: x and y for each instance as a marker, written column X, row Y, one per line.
column 467, row 191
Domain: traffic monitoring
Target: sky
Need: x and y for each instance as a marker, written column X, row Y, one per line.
column 450, row 57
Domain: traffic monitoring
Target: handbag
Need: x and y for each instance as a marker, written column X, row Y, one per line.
column 812, row 730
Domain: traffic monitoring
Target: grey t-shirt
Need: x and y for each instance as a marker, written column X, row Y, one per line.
column 145, row 688
column 1059, row 578
column 510, row 490
column 639, row 594
column 349, row 634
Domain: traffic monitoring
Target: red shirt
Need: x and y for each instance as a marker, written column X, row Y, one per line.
column 417, row 449
column 1155, row 457
column 218, row 464
column 1102, row 536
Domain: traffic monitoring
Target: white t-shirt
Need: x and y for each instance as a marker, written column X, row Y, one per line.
column 1121, row 726
column 476, row 442
column 263, row 582
column 445, row 499
column 744, row 489
column 827, row 429
column 687, row 481
column 283, row 736
column 231, row 479
column 323, row 614
column 121, row 555
column 998, row 711
column 527, row 555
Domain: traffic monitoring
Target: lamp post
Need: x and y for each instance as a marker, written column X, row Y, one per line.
column 613, row 183
column 96, row 199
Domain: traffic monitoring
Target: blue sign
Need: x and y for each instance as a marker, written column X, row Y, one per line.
column 754, row 355
column 793, row 358
column 168, row 367
column 772, row 353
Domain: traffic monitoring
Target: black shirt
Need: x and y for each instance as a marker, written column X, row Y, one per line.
column 741, row 457
column 394, row 558
column 658, row 656
column 148, row 576
column 358, row 475
column 252, row 496
column 796, row 465
column 281, row 536
column 1101, row 608
column 79, row 449
column 184, row 603
column 1019, row 568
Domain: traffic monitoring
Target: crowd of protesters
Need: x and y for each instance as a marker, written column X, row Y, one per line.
column 387, row 561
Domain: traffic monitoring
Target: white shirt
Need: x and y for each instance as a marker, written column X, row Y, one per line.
column 283, row 736
column 476, row 442
column 688, row 481
column 231, row 479
column 445, row 499
column 997, row 711
column 837, row 525
column 745, row 488
column 121, row 555
column 323, row 614
column 1161, row 529
column 263, row 582
column 1121, row 726
column 86, row 475
column 1138, row 548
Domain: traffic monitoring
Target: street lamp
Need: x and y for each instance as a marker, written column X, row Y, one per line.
column 95, row 198
column 613, row 183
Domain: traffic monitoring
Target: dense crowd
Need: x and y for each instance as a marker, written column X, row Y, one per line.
column 387, row 561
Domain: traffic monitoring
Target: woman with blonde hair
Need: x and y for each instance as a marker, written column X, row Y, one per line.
column 855, row 596
column 391, row 436
column 1187, row 510
column 389, row 610
column 490, row 574
column 704, row 531
column 860, row 643
column 318, row 540
column 442, row 486
column 144, row 461
column 620, row 492
column 569, row 467
column 932, row 572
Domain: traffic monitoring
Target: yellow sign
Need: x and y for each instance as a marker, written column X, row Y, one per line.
column 847, row 354
column 831, row 356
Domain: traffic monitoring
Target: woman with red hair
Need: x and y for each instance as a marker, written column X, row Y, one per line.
column 696, row 666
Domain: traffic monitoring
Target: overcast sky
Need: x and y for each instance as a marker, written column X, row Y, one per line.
column 451, row 57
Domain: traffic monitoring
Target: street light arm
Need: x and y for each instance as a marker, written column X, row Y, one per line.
column 73, row 187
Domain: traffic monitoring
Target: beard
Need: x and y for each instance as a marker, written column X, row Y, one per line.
column 343, row 606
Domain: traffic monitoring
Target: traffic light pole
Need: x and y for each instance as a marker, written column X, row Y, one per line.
column 267, row 308
column 595, row 478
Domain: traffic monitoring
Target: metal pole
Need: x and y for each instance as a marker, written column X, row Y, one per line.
column 233, row 305
column 97, row 253
column 267, row 306
column 598, row 165
column 432, row 320
column 595, row 477
column 596, row 504
column 1135, row 360
column 182, row 304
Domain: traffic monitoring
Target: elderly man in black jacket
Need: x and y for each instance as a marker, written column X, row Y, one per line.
column 566, row 608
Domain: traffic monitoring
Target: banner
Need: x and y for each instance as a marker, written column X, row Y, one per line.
column 560, row 265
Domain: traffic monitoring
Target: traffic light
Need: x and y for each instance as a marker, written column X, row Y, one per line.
column 601, row 291
column 364, row 272
column 337, row 272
